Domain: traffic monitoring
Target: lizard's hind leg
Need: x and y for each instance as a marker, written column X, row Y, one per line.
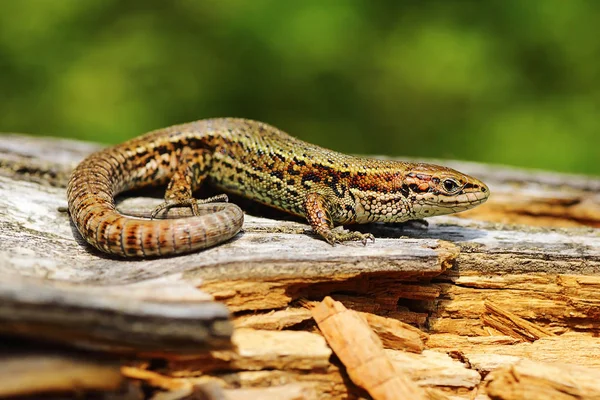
column 191, row 171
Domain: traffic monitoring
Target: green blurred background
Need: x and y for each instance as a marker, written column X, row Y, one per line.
column 510, row 81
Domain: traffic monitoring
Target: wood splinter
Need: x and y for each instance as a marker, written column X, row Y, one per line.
column 361, row 352
column 512, row 325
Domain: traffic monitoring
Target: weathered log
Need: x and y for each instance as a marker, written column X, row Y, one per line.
column 526, row 264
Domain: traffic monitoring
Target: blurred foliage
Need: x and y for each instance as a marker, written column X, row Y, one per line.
column 501, row 81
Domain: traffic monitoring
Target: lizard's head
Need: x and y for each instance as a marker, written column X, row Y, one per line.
column 414, row 191
column 434, row 190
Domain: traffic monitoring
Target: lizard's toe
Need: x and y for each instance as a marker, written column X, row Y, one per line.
column 340, row 236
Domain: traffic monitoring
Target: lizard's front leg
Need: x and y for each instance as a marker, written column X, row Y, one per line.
column 318, row 214
column 191, row 171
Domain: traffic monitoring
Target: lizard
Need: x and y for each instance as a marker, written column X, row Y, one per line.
column 260, row 162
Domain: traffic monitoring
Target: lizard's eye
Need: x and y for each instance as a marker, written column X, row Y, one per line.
column 451, row 186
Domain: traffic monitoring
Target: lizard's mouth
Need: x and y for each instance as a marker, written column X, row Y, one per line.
column 468, row 200
column 440, row 205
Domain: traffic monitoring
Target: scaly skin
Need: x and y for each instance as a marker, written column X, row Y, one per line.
column 260, row 162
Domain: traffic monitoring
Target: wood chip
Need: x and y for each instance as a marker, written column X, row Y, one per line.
column 396, row 334
column 539, row 381
column 274, row 320
column 486, row 353
column 512, row 325
column 361, row 351
column 259, row 349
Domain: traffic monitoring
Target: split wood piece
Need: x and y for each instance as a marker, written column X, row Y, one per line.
column 449, row 342
column 394, row 334
column 554, row 302
column 361, row 351
column 511, row 325
column 435, row 369
column 33, row 374
column 273, row 320
column 539, row 381
column 486, row 353
column 104, row 321
column 256, row 349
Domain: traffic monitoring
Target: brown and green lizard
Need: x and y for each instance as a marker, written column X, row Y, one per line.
column 262, row 163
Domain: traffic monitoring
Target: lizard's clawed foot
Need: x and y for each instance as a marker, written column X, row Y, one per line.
column 340, row 235
column 189, row 202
